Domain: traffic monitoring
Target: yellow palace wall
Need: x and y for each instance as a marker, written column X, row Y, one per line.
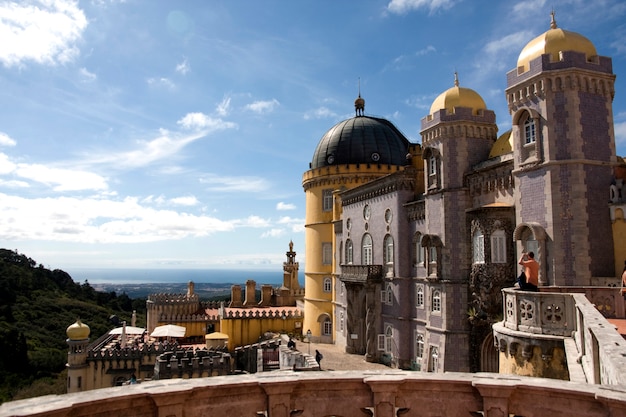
column 245, row 331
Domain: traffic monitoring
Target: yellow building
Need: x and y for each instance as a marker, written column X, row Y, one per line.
column 354, row 152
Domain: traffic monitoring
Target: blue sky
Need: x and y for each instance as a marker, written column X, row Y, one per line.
column 149, row 134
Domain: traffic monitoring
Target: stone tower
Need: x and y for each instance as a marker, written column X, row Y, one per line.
column 560, row 100
column 77, row 368
column 351, row 153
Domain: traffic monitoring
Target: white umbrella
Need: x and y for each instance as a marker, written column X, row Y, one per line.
column 129, row 330
column 169, row 330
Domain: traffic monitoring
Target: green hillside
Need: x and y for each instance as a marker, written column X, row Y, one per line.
column 36, row 307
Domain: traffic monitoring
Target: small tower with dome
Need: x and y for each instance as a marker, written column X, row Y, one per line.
column 77, row 340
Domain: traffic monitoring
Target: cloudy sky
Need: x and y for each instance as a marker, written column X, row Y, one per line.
column 153, row 133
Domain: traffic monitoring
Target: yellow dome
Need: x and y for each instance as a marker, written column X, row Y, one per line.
column 78, row 331
column 502, row 146
column 552, row 42
column 458, row 97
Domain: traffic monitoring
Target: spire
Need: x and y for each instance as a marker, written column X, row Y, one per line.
column 456, row 79
column 359, row 103
column 552, row 20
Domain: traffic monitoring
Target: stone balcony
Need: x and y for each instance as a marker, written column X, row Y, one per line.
column 335, row 393
column 559, row 335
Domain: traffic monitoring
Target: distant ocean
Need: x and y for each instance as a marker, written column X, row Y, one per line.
column 163, row 276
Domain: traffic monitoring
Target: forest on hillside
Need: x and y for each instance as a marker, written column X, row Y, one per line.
column 36, row 307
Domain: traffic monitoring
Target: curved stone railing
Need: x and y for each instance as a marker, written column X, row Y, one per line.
column 569, row 322
column 339, row 393
column 539, row 312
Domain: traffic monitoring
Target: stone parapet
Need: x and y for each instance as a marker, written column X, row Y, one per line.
column 348, row 393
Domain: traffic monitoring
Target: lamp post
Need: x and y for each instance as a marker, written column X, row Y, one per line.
column 308, row 337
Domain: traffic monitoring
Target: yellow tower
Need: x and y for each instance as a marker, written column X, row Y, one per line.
column 77, row 340
column 352, row 153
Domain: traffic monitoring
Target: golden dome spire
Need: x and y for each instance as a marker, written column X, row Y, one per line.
column 456, row 79
column 552, row 20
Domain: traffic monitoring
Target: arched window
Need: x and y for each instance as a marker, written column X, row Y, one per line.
column 328, row 284
column 349, row 252
column 418, row 249
column 498, row 247
column 419, row 351
column 434, row 359
column 419, row 296
column 388, row 254
column 530, row 134
column 388, row 339
column 478, row 247
column 367, row 250
column 436, row 305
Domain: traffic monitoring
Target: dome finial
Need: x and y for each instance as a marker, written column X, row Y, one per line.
column 552, row 20
column 456, row 79
column 359, row 103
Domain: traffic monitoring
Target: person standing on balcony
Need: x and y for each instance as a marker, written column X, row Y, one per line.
column 531, row 270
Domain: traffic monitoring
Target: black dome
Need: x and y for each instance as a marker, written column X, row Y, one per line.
column 361, row 140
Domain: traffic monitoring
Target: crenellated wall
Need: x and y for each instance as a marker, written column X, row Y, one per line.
column 348, row 393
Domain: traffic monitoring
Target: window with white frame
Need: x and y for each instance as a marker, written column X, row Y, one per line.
column 419, row 250
column 349, row 252
column 498, row 247
column 530, row 135
column 436, row 302
column 432, row 165
column 434, row 359
column 327, row 327
column 388, row 254
column 367, row 250
column 389, row 339
column 419, row 296
column 388, row 243
column 386, row 295
column 419, row 351
column 328, row 285
column 327, row 253
column 327, row 200
column 432, row 261
column 478, row 247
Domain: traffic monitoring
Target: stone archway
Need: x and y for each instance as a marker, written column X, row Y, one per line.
column 489, row 355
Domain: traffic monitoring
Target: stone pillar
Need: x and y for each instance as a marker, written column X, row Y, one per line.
column 266, row 295
column 235, row 297
column 250, row 294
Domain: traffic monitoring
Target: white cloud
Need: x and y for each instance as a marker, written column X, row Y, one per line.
column 5, row 140
column 425, row 51
column 203, row 121
column 234, row 184
column 147, row 152
column 94, row 220
column 285, row 206
column 252, row 221
column 184, row 201
column 183, row 67
column 405, row 6
column 161, row 82
column 61, row 179
column 14, row 184
column 273, row 233
column 86, row 75
column 512, row 42
column 320, row 113
column 43, row 31
column 223, row 108
column 263, row 106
